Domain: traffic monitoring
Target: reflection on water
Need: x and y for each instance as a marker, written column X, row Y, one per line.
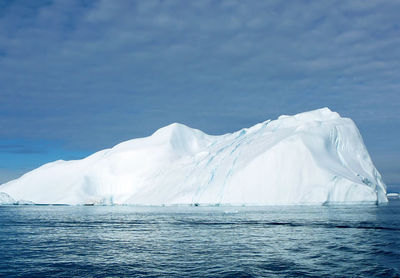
column 200, row 241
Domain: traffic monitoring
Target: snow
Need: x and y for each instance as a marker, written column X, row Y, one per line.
column 315, row 157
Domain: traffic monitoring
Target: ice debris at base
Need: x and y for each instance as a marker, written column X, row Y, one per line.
column 315, row 157
column 6, row 199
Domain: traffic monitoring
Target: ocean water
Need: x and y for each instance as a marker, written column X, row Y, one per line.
column 81, row 241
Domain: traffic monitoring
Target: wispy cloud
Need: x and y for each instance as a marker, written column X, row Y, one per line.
column 19, row 149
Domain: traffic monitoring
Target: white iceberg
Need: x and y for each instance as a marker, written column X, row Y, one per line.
column 314, row 157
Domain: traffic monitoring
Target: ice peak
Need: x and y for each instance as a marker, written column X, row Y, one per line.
column 318, row 114
column 180, row 137
column 314, row 115
column 174, row 129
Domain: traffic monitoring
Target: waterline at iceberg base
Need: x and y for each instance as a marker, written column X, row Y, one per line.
column 314, row 157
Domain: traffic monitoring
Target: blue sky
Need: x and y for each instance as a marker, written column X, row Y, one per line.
column 80, row 76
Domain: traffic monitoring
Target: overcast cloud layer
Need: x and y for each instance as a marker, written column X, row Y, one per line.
column 79, row 76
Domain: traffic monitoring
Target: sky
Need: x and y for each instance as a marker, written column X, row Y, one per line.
column 80, row 76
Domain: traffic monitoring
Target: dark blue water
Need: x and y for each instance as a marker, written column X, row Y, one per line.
column 68, row 241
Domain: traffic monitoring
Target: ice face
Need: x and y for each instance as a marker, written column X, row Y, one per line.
column 6, row 199
column 315, row 157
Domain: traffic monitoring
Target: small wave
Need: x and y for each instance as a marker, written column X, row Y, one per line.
column 289, row 224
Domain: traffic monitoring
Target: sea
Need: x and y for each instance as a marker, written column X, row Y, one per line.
column 197, row 241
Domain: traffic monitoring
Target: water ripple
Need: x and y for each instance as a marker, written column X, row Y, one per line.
column 67, row 241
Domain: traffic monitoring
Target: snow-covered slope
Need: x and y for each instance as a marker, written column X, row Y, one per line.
column 314, row 157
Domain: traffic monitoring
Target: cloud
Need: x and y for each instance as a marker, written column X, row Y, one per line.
column 96, row 73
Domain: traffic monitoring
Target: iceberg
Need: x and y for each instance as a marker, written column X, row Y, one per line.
column 314, row 157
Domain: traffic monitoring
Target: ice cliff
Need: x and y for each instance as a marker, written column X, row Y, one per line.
column 315, row 157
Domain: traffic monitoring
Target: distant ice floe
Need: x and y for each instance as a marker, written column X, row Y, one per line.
column 393, row 195
column 315, row 157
